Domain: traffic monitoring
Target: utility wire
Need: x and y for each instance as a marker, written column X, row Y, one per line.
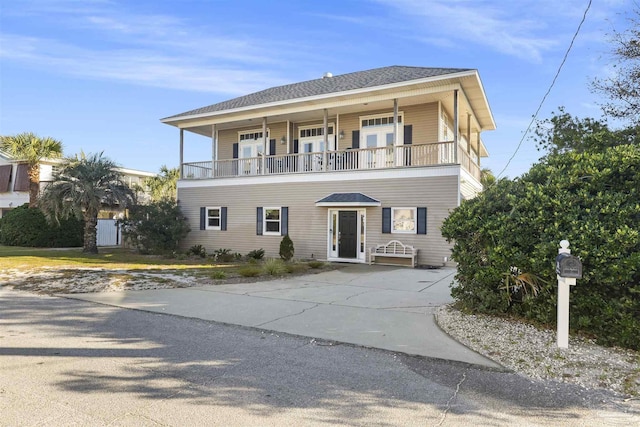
column 553, row 82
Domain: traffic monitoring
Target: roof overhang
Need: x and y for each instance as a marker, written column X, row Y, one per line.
column 348, row 200
column 468, row 81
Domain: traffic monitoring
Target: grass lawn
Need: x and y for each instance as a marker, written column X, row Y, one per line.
column 46, row 270
column 112, row 258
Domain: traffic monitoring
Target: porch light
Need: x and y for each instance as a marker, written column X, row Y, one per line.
column 283, row 140
column 341, row 134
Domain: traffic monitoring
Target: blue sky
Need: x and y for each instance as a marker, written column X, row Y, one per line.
column 100, row 74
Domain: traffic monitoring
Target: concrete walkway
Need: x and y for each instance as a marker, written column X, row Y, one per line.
column 373, row 306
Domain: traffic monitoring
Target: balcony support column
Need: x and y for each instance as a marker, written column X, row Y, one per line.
column 214, row 149
column 264, row 143
column 468, row 133
column 181, row 153
column 325, row 125
column 455, row 126
column 288, row 137
column 395, row 130
column 478, row 146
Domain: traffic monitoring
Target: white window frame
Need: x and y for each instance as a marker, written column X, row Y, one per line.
column 256, row 144
column 213, row 227
column 264, row 221
column 388, row 116
column 318, row 139
column 415, row 220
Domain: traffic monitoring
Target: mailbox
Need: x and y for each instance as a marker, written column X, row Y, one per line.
column 568, row 266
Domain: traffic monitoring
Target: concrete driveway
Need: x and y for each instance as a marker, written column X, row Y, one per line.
column 372, row 306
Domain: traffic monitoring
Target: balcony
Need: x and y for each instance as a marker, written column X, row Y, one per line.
column 403, row 156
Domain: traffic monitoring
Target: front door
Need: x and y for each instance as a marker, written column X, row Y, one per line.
column 348, row 235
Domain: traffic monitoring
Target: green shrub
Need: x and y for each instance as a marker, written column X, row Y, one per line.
column 286, row 248
column 197, row 250
column 249, row 271
column 155, row 228
column 219, row 275
column 315, row 264
column 256, row 254
column 274, row 267
column 225, row 255
column 293, row 267
column 25, row 226
column 588, row 198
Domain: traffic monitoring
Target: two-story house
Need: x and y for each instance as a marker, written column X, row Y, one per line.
column 341, row 163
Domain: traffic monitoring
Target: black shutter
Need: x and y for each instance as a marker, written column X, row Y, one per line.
column 284, row 221
column 203, row 218
column 272, row 147
column 296, row 146
column 408, row 140
column 386, row 220
column 235, row 150
column 223, row 218
column 408, row 134
column 259, row 222
column 355, row 139
column 422, row 221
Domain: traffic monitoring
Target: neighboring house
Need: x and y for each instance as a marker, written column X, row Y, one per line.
column 341, row 163
column 14, row 182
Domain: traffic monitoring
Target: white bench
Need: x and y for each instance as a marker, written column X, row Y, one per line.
column 394, row 250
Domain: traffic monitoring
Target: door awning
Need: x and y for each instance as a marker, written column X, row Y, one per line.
column 348, row 199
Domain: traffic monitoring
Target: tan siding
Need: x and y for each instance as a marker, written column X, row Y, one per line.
column 348, row 123
column 226, row 139
column 424, row 119
column 308, row 223
column 277, row 131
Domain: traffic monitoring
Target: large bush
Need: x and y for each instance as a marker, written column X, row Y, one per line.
column 506, row 241
column 155, row 228
column 25, row 226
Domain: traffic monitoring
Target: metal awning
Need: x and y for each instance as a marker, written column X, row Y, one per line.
column 348, row 199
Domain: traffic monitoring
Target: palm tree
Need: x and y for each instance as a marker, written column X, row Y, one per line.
column 81, row 187
column 487, row 178
column 32, row 149
column 163, row 186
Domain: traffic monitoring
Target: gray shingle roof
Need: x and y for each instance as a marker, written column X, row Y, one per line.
column 348, row 198
column 340, row 83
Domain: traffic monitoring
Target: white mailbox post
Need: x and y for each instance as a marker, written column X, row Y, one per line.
column 568, row 269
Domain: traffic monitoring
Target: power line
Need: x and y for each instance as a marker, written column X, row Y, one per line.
column 553, row 82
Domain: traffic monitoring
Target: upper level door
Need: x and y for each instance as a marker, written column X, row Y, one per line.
column 376, row 134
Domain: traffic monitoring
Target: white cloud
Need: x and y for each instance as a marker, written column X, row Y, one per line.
column 102, row 42
column 523, row 29
column 134, row 66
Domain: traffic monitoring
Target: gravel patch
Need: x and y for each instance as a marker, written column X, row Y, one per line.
column 533, row 352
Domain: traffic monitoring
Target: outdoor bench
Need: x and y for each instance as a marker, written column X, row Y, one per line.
column 394, row 251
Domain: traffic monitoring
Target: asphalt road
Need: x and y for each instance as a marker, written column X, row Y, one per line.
column 67, row 362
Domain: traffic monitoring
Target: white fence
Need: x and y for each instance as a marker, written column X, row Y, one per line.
column 108, row 233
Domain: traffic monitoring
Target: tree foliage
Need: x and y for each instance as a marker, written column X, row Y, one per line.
column 506, row 240
column 156, row 228
column 81, row 188
column 164, row 185
column 31, row 149
column 623, row 87
column 563, row 133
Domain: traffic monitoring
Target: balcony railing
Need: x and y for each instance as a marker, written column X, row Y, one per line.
column 335, row 161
